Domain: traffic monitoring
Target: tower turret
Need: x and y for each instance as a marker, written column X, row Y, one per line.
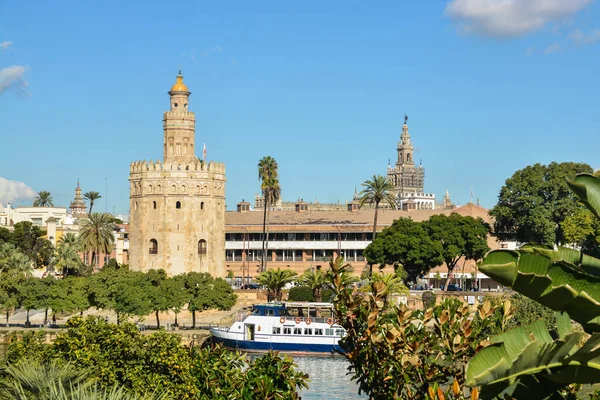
column 179, row 125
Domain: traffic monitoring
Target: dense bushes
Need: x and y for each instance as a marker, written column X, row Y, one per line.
column 305, row 293
column 119, row 356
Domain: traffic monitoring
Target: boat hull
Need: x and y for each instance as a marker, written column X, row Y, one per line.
column 252, row 346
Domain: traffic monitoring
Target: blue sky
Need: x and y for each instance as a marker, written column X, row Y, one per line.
column 322, row 86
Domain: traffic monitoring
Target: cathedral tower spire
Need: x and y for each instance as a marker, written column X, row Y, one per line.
column 179, row 126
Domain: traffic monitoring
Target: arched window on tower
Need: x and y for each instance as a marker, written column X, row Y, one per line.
column 171, row 149
column 401, row 158
column 408, row 158
column 153, row 247
column 202, row 246
column 178, row 205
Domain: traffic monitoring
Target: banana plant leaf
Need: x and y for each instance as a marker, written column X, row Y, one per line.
column 551, row 278
column 587, row 188
column 517, row 362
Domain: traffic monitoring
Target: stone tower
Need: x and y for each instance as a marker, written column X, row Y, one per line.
column 177, row 206
column 78, row 207
column 405, row 176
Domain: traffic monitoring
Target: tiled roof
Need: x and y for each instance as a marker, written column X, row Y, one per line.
column 361, row 217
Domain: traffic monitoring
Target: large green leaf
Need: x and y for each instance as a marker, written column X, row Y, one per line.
column 551, row 278
column 517, row 355
column 587, row 188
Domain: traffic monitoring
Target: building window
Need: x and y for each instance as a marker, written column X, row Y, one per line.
column 154, row 205
column 135, row 205
column 153, row 246
column 202, row 246
column 202, row 205
column 178, row 205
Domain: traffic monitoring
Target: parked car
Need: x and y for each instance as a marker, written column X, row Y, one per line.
column 250, row 286
column 452, row 288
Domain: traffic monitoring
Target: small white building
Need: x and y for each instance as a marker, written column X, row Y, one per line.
column 416, row 201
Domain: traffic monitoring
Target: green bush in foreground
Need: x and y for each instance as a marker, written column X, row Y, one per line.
column 119, row 356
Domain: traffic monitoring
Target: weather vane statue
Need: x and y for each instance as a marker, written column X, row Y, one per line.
column 405, row 119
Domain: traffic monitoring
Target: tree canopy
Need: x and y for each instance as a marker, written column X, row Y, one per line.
column 405, row 243
column 535, row 201
column 275, row 280
column 419, row 246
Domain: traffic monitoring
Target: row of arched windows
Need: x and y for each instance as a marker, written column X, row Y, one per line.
column 154, row 247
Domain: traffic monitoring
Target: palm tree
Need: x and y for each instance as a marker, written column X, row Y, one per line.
column 96, row 234
column 275, row 280
column 67, row 258
column 92, row 197
column 376, row 190
column 315, row 280
column 388, row 284
column 267, row 174
column 272, row 193
column 43, row 199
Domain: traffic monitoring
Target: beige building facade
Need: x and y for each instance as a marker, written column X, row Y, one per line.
column 177, row 206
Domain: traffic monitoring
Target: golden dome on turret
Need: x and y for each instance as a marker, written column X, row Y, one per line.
column 179, row 86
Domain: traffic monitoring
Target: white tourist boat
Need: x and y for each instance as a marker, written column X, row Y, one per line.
column 293, row 328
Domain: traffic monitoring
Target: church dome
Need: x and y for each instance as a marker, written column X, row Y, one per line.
column 179, row 86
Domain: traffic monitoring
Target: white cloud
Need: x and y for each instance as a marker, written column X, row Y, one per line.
column 553, row 48
column 4, row 45
column 509, row 18
column 579, row 37
column 12, row 77
column 11, row 191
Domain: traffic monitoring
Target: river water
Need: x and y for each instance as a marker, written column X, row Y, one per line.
column 328, row 378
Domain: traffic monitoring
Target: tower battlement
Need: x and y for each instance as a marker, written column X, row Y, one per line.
column 143, row 165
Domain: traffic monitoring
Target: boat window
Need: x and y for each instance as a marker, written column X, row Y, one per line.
column 276, row 330
column 287, row 331
column 339, row 332
column 308, row 331
column 297, row 331
column 270, row 312
column 319, row 331
column 329, row 332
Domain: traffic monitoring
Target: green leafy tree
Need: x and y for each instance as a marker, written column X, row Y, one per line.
column 268, row 174
column 275, row 281
column 582, row 230
column 316, row 281
column 15, row 267
column 376, row 190
column 405, row 244
column 535, row 201
column 70, row 294
column 203, row 292
column 5, row 235
column 28, row 238
column 125, row 292
column 43, row 199
column 92, row 197
column 460, row 238
column 160, row 298
column 35, row 293
column 96, row 235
